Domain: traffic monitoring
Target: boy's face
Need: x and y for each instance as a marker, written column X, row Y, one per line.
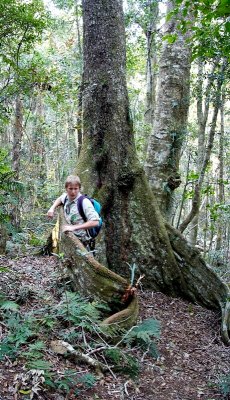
column 72, row 191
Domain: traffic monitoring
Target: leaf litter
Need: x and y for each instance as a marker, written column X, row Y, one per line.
column 191, row 364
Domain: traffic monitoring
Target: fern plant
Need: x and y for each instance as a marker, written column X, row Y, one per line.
column 71, row 381
column 7, row 305
column 7, row 349
column 35, row 351
column 122, row 361
column 20, row 329
column 224, row 385
column 144, row 334
column 78, row 311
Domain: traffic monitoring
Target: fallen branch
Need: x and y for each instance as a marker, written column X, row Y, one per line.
column 61, row 347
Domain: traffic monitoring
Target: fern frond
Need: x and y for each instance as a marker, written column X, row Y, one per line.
column 9, row 305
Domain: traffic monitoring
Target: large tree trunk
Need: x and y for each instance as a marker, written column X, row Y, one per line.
column 170, row 123
column 133, row 226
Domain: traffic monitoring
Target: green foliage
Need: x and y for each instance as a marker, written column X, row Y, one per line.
column 76, row 310
column 142, row 13
column 21, row 25
column 122, row 361
column 34, row 351
column 20, row 329
column 65, row 4
column 7, row 349
column 224, row 385
column 80, row 313
column 148, row 328
column 188, row 194
column 88, row 380
column 170, row 37
column 40, row 364
column 210, row 36
column 46, row 369
column 8, row 305
column 71, row 381
column 9, row 187
column 21, row 20
column 47, row 321
column 36, row 241
column 193, row 175
column 143, row 335
column 4, row 269
column 5, row 304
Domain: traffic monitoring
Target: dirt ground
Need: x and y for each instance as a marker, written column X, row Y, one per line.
column 192, row 359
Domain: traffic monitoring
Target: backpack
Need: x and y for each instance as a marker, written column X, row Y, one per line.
column 97, row 206
column 93, row 232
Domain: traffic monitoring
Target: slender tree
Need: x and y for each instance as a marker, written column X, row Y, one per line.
column 197, row 192
column 220, row 191
column 16, row 153
column 151, row 61
column 170, row 123
column 203, row 103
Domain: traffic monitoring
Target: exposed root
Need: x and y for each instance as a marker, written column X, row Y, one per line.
column 203, row 285
column 225, row 325
column 93, row 279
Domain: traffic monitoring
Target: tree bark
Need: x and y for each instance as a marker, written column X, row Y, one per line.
column 170, row 124
column 80, row 86
column 220, row 199
column 17, row 144
column 17, row 136
column 133, row 226
column 151, row 62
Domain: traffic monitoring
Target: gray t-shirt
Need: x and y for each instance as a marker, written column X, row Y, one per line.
column 72, row 214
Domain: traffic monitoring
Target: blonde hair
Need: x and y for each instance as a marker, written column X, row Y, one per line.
column 73, row 180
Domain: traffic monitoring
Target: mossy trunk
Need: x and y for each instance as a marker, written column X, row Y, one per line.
column 134, row 229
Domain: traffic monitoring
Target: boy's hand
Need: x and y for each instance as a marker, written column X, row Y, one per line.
column 68, row 228
column 50, row 213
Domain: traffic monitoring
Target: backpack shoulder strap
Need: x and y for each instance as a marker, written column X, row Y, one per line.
column 80, row 206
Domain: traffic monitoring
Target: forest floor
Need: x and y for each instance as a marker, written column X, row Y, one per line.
column 192, row 363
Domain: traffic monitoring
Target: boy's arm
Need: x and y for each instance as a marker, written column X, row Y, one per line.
column 85, row 225
column 57, row 203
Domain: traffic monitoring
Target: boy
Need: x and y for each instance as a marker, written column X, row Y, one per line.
column 75, row 222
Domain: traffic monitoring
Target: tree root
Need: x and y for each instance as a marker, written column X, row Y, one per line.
column 92, row 279
column 203, row 285
column 225, row 324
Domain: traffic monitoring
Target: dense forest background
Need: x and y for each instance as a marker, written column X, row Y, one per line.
column 41, row 114
column 158, row 159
